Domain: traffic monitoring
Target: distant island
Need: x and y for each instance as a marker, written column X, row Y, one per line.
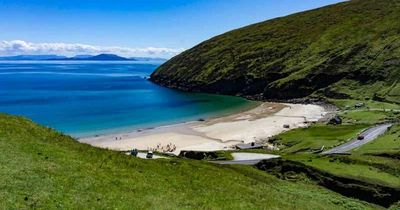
column 99, row 57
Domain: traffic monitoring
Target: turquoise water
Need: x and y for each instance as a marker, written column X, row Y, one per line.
column 88, row 98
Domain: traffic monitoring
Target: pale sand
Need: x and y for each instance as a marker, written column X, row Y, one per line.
column 221, row 133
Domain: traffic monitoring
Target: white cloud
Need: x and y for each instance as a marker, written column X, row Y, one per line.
column 20, row 47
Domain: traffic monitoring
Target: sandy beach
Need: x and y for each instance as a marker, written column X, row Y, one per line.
column 254, row 125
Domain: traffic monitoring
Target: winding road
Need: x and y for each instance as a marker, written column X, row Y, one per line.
column 369, row 135
column 253, row 158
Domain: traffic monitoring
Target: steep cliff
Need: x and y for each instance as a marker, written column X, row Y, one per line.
column 347, row 50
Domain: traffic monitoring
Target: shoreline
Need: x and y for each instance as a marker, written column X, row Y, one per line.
column 217, row 133
column 189, row 120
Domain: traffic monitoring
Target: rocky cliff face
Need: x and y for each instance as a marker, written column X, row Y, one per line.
column 347, row 50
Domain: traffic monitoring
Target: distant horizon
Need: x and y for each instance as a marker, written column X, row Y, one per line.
column 137, row 28
column 19, row 47
column 75, row 57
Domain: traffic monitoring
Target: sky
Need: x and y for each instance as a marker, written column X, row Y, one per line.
column 154, row 28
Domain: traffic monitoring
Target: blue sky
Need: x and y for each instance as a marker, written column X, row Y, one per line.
column 132, row 24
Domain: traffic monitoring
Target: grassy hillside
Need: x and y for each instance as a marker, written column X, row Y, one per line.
column 388, row 144
column 43, row 169
column 347, row 50
column 314, row 137
column 376, row 163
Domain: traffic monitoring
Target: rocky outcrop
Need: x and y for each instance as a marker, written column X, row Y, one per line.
column 199, row 155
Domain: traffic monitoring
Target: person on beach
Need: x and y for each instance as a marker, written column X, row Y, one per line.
column 134, row 152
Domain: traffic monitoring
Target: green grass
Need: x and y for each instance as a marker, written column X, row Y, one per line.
column 389, row 165
column 224, row 154
column 314, row 137
column 343, row 103
column 349, row 50
column 42, row 169
column 368, row 117
column 368, row 169
column 388, row 143
column 345, row 53
column 395, row 206
column 363, row 163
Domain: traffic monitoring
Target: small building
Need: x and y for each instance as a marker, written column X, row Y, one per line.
column 251, row 145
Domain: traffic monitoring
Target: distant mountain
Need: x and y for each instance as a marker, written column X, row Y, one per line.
column 100, row 57
column 106, row 57
column 81, row 56
column 147, row 59
column 32, row 57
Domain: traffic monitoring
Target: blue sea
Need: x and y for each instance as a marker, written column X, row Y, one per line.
column 92, row 98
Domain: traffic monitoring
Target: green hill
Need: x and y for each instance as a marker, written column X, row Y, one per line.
column 43, row 169
column 347, row 50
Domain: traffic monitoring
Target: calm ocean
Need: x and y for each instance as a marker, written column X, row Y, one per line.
column 87, row 98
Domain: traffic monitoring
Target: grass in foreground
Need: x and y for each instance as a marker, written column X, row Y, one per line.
column 42, row 169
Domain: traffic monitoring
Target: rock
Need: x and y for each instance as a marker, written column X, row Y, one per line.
column 359, row 105
column 336, row 120
column 198, row 155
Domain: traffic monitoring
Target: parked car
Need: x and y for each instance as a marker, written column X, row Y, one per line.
column 149, row 155
column 360, row 137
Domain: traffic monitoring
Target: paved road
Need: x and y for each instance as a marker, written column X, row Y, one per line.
column 239, row 162
column 244, row 158
column 143, row 156
column 369, row 135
